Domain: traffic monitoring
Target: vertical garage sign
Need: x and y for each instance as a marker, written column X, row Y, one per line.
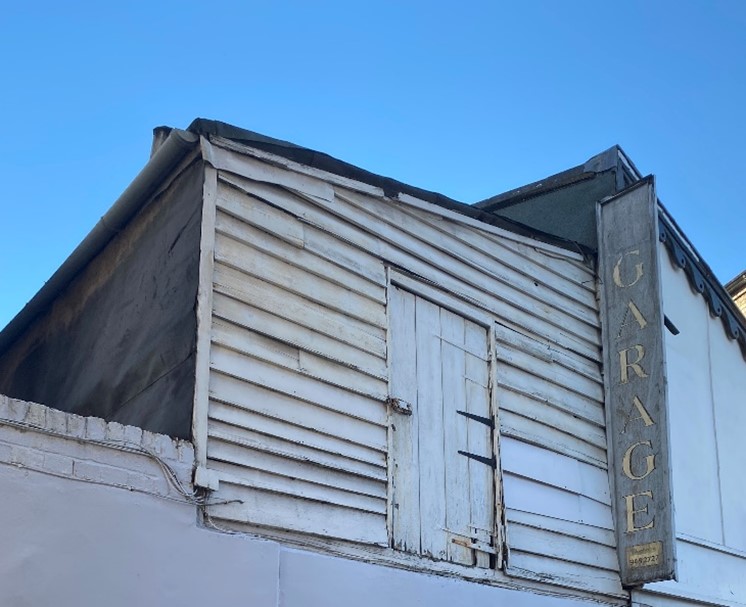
column 635, row 383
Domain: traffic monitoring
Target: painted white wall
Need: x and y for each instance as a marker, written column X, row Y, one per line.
column 71, row 543
column 706, row 375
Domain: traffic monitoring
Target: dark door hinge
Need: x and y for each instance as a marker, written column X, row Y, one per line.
column 489, row 461
column 487, row 421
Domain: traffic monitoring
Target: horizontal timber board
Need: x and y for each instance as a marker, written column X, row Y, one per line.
column 288, row 382
column 272, row 473
column 584, row 323
column 568, row 277
column 251, row 398
column 311, row 214
column 299, row 257
column 268, row 509
column 271, row 350
column 292, row 307
column 561, row 547
column 535, row 567
column 301, row 233
column 563, row 472
column 596, row 535
column 289, row 429
column 260, row 321
column 532, row 432
column 247, row 439
column 405, row 226
column 352, row 228
column 548, row 415
column 531, row 496
column 525, row 382
column 569, row 362
column 260, row 214
column 315, row 288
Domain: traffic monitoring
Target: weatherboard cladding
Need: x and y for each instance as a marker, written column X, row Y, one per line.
column 298, row 418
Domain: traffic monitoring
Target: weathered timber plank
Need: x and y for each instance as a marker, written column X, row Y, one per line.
column 536, row 433
column 562, row 547
column 552, row 417
column 567, row 276
column 250, row 210
column 268, row 509
column 479, row 436
column 320, row 479
column 581, row 369
column 258, row 170
column 430, row 404
column 261, row 480
column 295, row 308
column 404, row 429
column 474, row 262
column 457, row 476
column 290, row 429
column 332, row 247
column 474, row 278
column 525, row 382
column 589, row 533
column 271, row 350
column 298, row 257
column 328, row 218
column 559, row 573
column 550, row 372
column 282, row 380
column 266, row 323
column 247, row 439
column 270, row 269
column 556, row 470
column 530, row 496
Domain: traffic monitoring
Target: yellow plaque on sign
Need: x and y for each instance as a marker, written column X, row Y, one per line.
column 644, row 555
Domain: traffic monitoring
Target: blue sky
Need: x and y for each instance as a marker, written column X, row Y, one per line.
column 469, row 99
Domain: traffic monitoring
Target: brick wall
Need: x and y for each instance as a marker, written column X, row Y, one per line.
column 89, row 449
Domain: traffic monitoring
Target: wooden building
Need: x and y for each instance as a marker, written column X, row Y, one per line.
column 379, row 373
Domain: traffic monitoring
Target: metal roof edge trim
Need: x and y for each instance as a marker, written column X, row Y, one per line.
column 174, row 148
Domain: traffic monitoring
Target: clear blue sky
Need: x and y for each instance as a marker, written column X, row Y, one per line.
column 469, row 99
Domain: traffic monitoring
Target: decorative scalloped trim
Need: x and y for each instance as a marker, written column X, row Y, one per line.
column 717, row 299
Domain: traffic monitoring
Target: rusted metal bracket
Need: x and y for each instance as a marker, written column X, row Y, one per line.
column 488, row 461
column 487, row 421
column 399, row 405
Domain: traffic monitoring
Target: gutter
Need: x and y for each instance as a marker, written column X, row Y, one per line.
column 162, row 162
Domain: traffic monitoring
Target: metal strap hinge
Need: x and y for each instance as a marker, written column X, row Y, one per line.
column 488, row 461
column 487, row 421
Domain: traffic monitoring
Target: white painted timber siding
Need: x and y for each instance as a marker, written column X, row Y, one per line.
column 298, row 414
column 707, row 408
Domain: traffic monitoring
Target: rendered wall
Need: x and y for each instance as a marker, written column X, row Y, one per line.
column 119, row 342
column 79, row 531
column 706, row 375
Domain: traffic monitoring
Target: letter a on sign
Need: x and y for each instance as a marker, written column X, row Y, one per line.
column 634, row 383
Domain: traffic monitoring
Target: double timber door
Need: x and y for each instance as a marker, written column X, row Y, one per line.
column 443, row 455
